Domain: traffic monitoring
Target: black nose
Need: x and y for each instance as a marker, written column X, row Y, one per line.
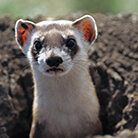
column 54, row 61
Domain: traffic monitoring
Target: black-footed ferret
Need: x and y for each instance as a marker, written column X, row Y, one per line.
column 65, row 102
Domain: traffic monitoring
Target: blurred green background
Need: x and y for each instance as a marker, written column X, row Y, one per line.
column 52, row 8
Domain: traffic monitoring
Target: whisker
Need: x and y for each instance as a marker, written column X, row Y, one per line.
column 76, row 66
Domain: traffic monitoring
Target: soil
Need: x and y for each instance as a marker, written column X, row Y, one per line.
column 114, row 71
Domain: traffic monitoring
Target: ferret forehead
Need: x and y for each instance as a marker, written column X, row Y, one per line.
column 61, row 25
column 52, row 34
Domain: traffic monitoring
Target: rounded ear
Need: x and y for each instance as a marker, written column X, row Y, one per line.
column 87, row 28
column 23, row 31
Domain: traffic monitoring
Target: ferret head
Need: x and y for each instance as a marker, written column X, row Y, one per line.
column 56, row 47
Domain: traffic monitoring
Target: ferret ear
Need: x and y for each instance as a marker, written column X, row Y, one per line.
column 87, row 27
column 23, row 31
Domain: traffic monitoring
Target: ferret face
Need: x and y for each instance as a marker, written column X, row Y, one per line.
column 55, row 47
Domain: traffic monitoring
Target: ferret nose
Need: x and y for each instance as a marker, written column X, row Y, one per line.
column 54, row 61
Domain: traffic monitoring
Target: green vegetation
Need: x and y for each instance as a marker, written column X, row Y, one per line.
column 47, row 8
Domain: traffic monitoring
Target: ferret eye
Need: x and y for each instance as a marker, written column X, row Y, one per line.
column 37, row 45
column 70, row 43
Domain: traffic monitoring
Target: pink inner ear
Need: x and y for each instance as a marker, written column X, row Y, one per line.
column 88, row 30
column 22, row 31
column 22, row 34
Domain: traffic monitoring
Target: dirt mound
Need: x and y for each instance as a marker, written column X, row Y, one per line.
column 114, row 71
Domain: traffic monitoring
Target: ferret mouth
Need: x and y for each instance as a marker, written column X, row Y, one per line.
column 56, row 70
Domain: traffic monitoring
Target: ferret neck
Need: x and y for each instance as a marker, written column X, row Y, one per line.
column 72, row 80
column 72, row 89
